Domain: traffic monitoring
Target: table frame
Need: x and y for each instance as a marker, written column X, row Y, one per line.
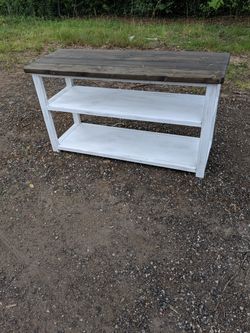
column 207, row 125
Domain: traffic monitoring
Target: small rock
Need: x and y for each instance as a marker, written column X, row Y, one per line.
column 10, row 306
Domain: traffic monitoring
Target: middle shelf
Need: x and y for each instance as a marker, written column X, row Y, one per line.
column 160, row 107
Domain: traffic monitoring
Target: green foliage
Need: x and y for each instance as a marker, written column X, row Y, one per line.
column 215, row 4
column 151, row 7
column 231, row 7
column 145, row 8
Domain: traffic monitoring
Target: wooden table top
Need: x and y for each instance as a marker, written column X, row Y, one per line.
column 180, row 66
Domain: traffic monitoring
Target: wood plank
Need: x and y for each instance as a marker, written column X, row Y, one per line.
column 165, row 150
column 180, row 109
column 193, row 67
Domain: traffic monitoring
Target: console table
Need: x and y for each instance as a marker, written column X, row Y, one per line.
column 199, row 69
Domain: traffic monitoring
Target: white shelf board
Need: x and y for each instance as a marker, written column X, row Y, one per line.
column 165, row 150
column 171, row 108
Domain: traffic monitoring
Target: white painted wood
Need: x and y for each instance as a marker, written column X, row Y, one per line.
column 69, row 81
column 214, row 112
column 48, row 118
column 173, row 151
column 167, row 83
column 65, row 134
column 57, row 95
column 180, row 109
column 165, row 150
column 69, row 84
column 207, row 129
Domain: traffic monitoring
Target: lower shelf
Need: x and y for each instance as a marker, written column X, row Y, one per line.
column 165, row 150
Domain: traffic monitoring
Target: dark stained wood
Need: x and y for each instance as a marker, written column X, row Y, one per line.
column 181, row 66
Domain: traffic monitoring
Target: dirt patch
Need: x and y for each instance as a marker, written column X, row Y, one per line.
column 93, row 245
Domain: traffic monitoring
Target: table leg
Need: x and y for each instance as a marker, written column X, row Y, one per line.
column 47, row 115
column 76, row 117
column 207, row 127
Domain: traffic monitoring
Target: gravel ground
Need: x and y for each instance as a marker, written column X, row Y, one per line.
column 96, row 245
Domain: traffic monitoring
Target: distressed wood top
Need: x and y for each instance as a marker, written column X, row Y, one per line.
column 181, row 66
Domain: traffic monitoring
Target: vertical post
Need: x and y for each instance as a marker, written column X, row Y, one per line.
column 47, row 115
column 207, row 127
column 76, row 117
column 214, row 111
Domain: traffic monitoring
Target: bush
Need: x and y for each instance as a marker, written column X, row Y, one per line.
column 141, row 8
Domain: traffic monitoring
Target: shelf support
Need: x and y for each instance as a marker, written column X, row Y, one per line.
column 47, row 115
column 207, row 127
column 76, row 117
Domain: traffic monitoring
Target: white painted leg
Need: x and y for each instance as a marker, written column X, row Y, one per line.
column 207, row 127
column 48, row 118
column 214, row 111
column 76, row 117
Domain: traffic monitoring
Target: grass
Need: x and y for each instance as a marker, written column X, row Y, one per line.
column 19, row 36
column 239, row 75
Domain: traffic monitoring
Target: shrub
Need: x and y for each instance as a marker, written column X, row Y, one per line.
column 141, row 8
